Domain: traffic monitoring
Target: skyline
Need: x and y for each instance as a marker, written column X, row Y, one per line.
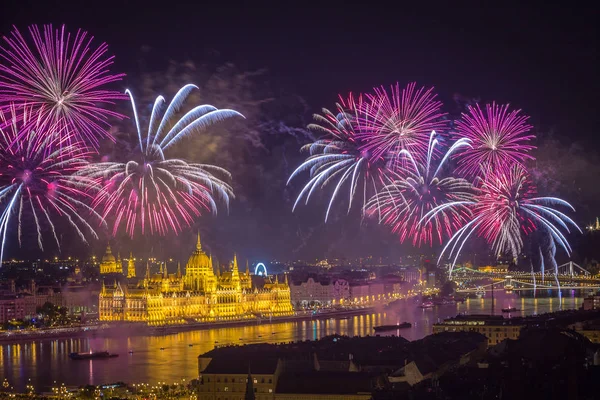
column 260, row 220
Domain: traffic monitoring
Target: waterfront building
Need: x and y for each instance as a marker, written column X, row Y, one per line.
column 324, row 291
column 591, row 303
column 16, row 307
column 201, row 295
column 110, row 265
column 494, row 269
column 495, row 327
column 410, row 274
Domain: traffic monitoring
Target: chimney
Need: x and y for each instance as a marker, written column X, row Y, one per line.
column 13, row 286
column 32, row 287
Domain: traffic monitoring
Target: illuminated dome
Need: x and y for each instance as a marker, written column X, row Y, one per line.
column 199, row 260
column 108, row 256
column 109, row 264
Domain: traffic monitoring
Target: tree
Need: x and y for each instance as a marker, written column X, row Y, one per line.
column 448, row 288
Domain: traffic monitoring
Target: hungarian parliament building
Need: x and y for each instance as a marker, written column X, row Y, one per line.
column 199, row 295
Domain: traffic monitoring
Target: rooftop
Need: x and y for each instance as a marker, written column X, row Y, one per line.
column 228, row 365
column 324, row 383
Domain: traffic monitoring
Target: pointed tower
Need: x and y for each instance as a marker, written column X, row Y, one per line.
column 247, row 269
column 198, row 243
column 249, row 387
column 130, row 266
column 178, row 269
column 119, row 264
column 235, row 274
column 235, row 270
column 286, row 280
column 147, row 277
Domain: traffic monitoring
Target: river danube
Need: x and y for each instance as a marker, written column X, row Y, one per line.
column 171, row 358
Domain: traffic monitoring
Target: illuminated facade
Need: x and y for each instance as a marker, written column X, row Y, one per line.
column 495, row 328
column 131, row 266
column 110, row 265
column 198, row 296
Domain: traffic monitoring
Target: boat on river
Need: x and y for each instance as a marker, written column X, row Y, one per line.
column 383, row 328
column 427, row 304
column 92, row 355
column 509, row 309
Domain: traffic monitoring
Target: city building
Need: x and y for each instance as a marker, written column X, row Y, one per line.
column 22, row 304
column 324, row 385
column 410, row 274
column 231, row 378
column 494, row 269
column 110, row 265
column 495, row 327
column 201, row 295
column 323, row 291
column 16, row 307
column 591, row 303
column 437, row 354
column 334, row 367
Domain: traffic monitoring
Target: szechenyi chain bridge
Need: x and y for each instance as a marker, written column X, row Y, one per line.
column 567, row 276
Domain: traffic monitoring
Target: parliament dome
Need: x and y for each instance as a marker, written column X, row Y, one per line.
column 199, row 260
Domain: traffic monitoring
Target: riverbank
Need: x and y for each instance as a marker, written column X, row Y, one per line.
column 140, row 329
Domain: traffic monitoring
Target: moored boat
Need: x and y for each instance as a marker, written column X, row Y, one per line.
column 92, row 355
column 383, row 328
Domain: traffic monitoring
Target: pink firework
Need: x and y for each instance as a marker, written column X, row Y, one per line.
column 150, row 193
column 338, row 158
column 505, row 209
column 399, row 120
column 423, row 187
column 61, row 76
column 37, row 177
column 499, row 139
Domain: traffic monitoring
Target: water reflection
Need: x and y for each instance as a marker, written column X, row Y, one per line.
column 47, row 361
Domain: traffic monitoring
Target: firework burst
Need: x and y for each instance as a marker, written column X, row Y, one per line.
column 399, row 120
column 338, row 157
column 37, row 166
column 505, row 209
column 403, row 203
column 151, row 192
column 63, row 77
column 499, row 138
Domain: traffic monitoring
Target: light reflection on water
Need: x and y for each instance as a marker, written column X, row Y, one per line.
column 47, row 361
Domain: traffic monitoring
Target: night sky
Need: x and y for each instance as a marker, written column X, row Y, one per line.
column 541, row 59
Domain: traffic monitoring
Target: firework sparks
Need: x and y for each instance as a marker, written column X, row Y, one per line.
column 403, row 203
column 338, row 157
column 499, row 138
column 400, row 120
column 36, row 176
column 504, row 210
column 151, row 192
column 63, row 77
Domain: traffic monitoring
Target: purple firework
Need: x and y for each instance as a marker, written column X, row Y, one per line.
column 498, row 138
column 62, row 77
column 402, row 119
